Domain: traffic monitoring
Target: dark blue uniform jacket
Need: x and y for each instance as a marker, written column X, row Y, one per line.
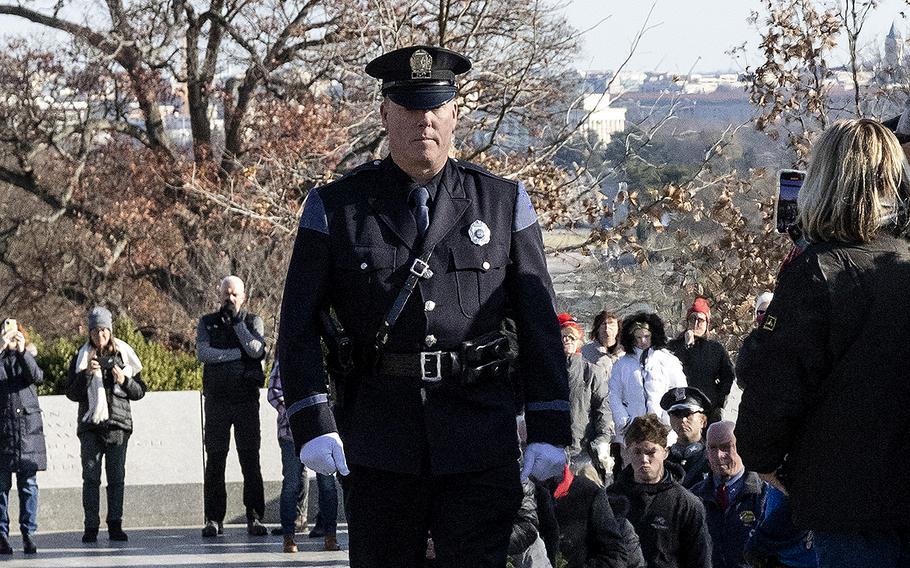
column 354, row 248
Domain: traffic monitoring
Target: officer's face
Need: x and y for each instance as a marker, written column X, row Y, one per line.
column 688, row 425
column 647, row 460
column 419, row 140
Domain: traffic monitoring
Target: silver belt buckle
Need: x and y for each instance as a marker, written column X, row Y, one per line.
column 431, row 373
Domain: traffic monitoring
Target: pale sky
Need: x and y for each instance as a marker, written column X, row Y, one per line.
column 683, row 34
column 689, row 33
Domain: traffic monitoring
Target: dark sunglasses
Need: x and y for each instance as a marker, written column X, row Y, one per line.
column 681, row 413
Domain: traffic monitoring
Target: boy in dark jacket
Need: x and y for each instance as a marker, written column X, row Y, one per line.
column 669, row 520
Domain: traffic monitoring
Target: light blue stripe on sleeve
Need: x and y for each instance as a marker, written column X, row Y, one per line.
column 307, row 402
column 559, row 405
column 525, row 216
column 313, row 216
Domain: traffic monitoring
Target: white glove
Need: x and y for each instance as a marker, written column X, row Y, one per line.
column 543, row 461
column 325, row 454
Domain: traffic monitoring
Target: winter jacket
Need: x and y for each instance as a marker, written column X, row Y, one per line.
column 231, row 357
column 707, row 367
column 597, row 354
column 120, row 418
column 635, row 389
column 525, row 528
column 669, row 520
column 827, row 386
column 22, row 447
column 776, row 539
column 730, row 528
column 692, row 458
column 589, row 535
column 589, row 407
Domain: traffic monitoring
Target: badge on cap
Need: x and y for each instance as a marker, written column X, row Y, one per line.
column 479, row 233
column 421, row 65
column 679, row 394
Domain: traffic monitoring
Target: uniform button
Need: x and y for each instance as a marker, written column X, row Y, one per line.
column 429, row 306
column 18, row 410
column 364, row 266
column 375, row 163
column 430, row 340
column 485, row 265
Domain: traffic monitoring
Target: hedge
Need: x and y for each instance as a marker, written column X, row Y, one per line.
column 163, row 369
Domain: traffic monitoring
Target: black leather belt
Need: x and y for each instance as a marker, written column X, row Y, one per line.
column 429, row 366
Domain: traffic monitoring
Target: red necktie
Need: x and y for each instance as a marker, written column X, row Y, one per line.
column 723, row 499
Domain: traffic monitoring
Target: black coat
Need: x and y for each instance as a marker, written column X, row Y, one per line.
column 826, row 384
column 730, row 528
column 707, row 367
column 22, row 447
column 669, row 520
column 693, row 460
column 353, row 252
column 589, row 534
column 119, row 413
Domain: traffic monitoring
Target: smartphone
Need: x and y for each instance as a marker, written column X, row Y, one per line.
column 9, row 327
column 789, row 183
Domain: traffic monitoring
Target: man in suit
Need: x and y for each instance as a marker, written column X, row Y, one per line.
column 422, row 258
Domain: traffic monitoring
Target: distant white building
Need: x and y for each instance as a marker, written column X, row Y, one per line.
column 894, row 48
column 597, row 116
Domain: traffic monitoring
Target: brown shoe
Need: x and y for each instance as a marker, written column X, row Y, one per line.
column 331, row 543
column 289, row 545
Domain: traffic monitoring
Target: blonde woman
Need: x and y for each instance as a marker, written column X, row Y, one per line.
column 104, row 376
column 826, row 374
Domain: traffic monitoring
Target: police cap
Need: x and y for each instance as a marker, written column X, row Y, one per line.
column 419, row 77
column 685, row 398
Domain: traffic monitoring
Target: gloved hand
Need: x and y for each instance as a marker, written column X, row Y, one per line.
column 229, row 314
column 325, row 454
column 543, row 461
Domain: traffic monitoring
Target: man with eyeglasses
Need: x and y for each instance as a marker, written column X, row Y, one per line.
column 705, row 361
column 686, row 408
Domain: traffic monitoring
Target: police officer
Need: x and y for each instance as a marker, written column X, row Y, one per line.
column 420, row 256
column 687, row 408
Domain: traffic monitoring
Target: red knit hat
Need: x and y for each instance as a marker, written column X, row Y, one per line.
column 701, row 306
column 568, row 320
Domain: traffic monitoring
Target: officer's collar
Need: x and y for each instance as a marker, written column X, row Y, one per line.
column 442, row 179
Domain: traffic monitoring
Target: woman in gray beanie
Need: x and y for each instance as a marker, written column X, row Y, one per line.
column 104, row 376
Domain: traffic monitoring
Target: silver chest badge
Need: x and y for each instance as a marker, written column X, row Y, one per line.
column 479, row 233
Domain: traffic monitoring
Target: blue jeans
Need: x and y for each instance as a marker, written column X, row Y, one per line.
column 862, row 550
column 327, row 517
column 293, row 478
column 27, row 483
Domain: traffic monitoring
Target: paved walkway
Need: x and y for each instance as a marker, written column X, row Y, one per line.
column 179, row 547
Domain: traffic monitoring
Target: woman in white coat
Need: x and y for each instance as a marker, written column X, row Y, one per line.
column 642, row 376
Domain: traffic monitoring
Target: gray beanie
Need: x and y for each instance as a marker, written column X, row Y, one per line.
column 100, row 317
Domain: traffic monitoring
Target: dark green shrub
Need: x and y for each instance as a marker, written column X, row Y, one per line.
column 163, row 368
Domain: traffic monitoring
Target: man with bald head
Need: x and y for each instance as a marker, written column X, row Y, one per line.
column 733, row 497
column 230, row 344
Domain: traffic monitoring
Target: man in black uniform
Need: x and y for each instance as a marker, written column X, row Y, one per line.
column 230, row 345
column 686, row 407
column 428, row 413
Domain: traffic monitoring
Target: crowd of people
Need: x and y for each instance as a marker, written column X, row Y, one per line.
column 418, row 329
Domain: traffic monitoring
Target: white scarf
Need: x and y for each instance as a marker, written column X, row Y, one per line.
column 97, row 399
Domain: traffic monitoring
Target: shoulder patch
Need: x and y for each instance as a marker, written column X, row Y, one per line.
column 525, row 215
column 313, row 216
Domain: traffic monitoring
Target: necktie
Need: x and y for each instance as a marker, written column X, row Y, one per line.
column 421, row 209
column 723, row 498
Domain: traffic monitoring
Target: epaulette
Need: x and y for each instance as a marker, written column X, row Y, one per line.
column 481, row 170
column 372, row 165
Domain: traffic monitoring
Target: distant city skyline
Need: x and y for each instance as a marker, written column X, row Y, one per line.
column 692, row 34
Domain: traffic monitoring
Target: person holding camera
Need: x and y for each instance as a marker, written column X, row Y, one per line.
column 823, row 415
column 104, row 376
column 230, row 344
column 22, row 448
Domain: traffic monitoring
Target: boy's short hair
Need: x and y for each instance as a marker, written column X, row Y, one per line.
column 647, row 428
